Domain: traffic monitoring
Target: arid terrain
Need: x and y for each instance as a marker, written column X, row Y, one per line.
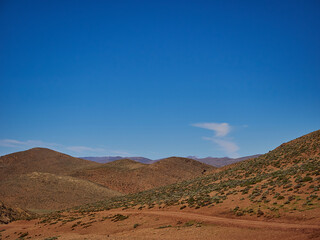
column 170, row 223
column 42, row 180
column 128, row 176
column 273, row 196
column 161, row 120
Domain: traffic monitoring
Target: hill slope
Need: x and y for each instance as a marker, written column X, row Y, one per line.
column 221, row 162
column 9, row 214
column 40, row 160
column 283, row 181
column 35, row 191
column 276, row 196
column 128, row 176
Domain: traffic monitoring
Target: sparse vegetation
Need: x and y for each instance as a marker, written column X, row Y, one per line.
column 128, row 176
column 270, row 176
column 118, row 217
column 165, row 226
column 283, row 181
column 22, row 235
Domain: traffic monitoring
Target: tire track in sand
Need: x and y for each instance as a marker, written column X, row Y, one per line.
column 227, row 221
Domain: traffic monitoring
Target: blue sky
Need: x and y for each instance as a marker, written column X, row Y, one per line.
column 158, row 78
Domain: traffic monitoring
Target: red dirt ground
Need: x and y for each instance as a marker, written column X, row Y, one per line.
column 160, row 224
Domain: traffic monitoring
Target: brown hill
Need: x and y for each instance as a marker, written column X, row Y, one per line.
column 45, row 191
column 124, row 164
column 9, row 214
column 283, row 182
column 275, row 196
column 128, row 176
column 40, row 160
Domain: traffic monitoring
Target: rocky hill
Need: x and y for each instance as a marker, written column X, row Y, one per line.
column 9, row 214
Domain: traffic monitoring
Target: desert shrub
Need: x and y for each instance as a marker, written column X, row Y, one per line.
column 165, row 226
column 189, row 224
column 290, row 198
column 240, row 213
column 119, row 217
column 307, row 179
column 259, row 213
column 22, row 235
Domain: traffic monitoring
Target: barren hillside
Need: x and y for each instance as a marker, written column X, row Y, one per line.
column 40, row 160
column 45, row 191
column 128, row 176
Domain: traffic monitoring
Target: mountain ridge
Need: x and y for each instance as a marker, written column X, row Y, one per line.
column 213, row 161
column 107, row 159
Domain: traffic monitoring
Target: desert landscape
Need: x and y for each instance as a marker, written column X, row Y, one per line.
column 273, row 196
column 160, row 120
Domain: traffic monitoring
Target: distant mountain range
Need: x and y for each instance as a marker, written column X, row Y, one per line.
column 216, row 162
column 115, row 158
column 220, row 162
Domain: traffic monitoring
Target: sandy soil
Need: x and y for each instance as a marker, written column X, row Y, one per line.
column 159, row 224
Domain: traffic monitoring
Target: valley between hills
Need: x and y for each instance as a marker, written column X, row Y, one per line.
column 45, row 194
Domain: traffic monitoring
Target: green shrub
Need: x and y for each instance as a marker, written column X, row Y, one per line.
column 307, row 179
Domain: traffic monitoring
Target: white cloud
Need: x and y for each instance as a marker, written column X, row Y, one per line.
column 81, row 149
column 22, row 145
column 29, row 143
column 229, row 147
column 221, row 129
column 121, row 153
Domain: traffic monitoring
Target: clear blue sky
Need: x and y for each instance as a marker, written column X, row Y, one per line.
column 158, row 78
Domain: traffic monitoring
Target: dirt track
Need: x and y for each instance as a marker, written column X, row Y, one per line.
column 226, row 221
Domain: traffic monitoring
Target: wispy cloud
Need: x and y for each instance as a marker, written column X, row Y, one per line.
column 229, row 147
column 221, row 130
column 29, row 143
column 12, row 143
column 81, row 149
column 121, row 153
